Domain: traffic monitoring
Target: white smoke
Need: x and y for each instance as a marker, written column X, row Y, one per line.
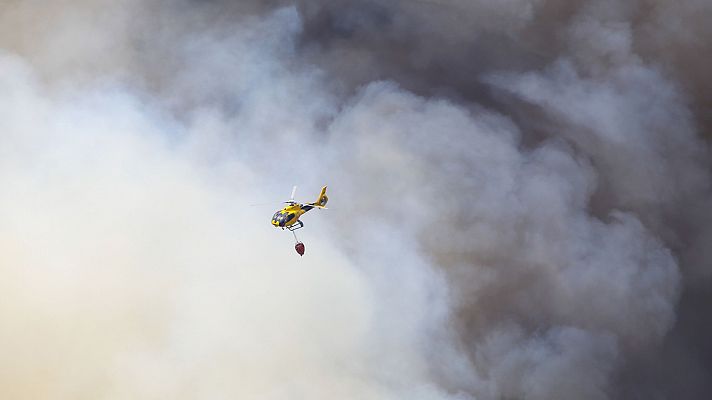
column 458, row 259
column 134, row 267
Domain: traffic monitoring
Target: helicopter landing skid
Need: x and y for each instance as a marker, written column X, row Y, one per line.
column 296, row 226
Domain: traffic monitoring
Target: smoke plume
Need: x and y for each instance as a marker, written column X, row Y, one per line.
column 519, row 205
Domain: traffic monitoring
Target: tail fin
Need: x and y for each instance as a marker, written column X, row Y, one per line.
column 322, row 199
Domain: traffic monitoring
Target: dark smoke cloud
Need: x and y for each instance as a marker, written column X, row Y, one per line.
column 624, row 83
column 520, row 197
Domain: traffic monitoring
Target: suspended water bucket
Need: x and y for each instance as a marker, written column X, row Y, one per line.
column 299, row 247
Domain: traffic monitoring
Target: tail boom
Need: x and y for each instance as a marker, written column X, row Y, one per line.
column 321, row 200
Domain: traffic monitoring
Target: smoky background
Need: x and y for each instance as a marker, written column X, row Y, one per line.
column 519, row 199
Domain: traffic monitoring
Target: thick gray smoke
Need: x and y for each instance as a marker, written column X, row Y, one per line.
column 519, row 195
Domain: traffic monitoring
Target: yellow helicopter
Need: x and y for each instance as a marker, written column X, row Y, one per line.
column 288, row 217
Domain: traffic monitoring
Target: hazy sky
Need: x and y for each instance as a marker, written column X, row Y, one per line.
column 519, row 199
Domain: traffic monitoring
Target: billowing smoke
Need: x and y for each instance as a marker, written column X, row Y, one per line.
column 519, row 203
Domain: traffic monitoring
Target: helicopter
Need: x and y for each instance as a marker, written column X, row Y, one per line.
column 288, row 217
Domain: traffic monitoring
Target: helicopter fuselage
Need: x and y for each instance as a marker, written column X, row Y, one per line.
column 289, row 215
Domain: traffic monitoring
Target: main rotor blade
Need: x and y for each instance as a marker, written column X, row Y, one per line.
column 294, row 191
